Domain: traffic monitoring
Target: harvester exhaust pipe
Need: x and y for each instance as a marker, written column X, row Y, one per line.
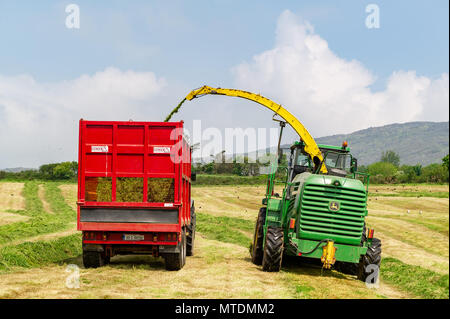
column 282, row 126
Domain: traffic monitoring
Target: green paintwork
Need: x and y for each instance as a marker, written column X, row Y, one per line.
column 346, row 253
column 328, row 147
column 274, row 204
column 317, row 218
column 324, row 207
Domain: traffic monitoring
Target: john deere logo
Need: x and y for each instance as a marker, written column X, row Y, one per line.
column 334, row 206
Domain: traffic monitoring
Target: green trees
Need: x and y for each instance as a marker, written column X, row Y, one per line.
column 382, row 172
column 65, row 170
column 434, row 173
column 445, row 162
column 54, row 171
column 390, row 157
column 389, row 171
column 240, row 166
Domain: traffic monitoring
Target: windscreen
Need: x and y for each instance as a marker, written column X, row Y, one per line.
column 337, row 160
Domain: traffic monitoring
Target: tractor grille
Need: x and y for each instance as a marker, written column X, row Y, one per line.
column 317, row 220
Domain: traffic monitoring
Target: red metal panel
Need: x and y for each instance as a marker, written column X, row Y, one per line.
column 130, row 163
column 112, row 242
column 134, row 149
column 160, row 135
column 160, row 164
column 98, row 134
column 175, row 228
column 98, row 163
column 130, row 135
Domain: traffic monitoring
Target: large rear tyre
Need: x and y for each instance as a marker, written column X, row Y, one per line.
column 93, row 259
column 176, row 261
column 257, row 246
column 190, row 237
column 370, row 262
column 273, row 249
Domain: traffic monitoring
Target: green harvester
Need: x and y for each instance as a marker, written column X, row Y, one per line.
column 319, row 216
column 321, row 213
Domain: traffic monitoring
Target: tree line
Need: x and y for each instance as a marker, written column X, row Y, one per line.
column 54, row 171
column 388, row 170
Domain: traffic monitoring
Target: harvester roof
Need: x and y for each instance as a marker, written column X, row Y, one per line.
column 344, row 148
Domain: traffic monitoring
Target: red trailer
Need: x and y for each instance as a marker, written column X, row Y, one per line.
column 134, row 191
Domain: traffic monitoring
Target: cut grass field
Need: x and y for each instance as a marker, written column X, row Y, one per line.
column 35, row 252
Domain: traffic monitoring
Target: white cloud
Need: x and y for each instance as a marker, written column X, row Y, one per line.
column 39, row 121
column 331, row 95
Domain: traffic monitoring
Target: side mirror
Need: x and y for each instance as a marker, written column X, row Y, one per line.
column 193, row 177
column 354, row 165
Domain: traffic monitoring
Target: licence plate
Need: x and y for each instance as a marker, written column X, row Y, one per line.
column 133, row 237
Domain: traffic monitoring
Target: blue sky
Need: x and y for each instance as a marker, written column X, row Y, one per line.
column 50, row 76
column 198, row 41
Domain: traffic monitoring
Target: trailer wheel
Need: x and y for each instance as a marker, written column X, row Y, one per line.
column 184, row 246
column 191, row 236
column 176, row 261
column 273, row 249
column 372, row 257
column 93, row 259
column 257, row 246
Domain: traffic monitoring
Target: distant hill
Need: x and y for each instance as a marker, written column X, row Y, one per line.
column 16, row 169
column 416, row 142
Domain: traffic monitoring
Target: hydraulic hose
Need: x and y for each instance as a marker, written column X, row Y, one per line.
column 313, row 250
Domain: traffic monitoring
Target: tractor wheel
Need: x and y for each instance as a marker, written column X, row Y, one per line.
column 191, row 235
column 176, row 261
column 364, row 235
column 257, row 246
column 372, row 257
column 273, row 249
column 93, row 259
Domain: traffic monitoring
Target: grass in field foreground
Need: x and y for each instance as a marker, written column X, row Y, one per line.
column 414, row 280
column 35, row 254
column 419, row 281
column 226, row 229
column 40, row 222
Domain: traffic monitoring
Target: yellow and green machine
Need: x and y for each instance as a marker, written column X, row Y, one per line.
column 321, row 211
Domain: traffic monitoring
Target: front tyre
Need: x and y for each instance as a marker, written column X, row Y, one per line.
column 257, row 246
column 370, row 262
column 273, row 249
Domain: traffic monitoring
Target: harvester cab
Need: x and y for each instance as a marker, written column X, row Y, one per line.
column 338, row 160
